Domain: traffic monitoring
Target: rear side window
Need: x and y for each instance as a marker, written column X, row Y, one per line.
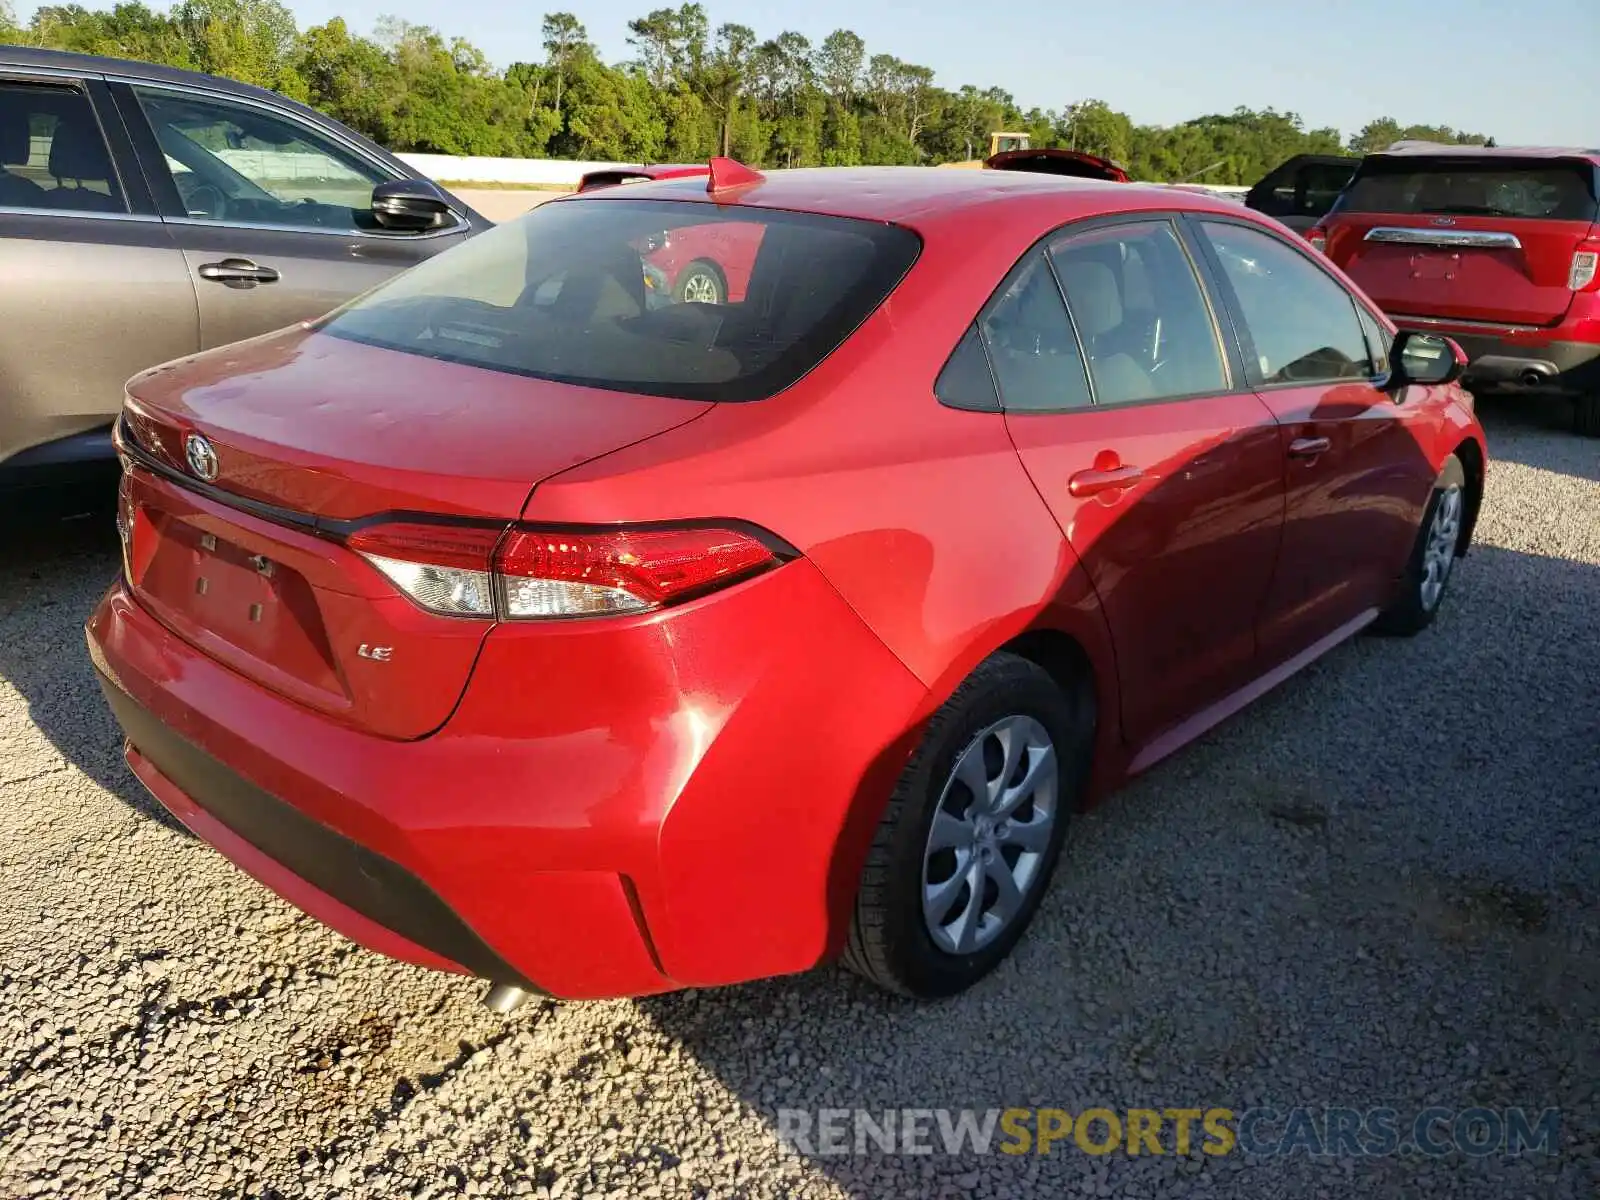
column 966, row 381
column 1032, row 346
column 691, row 300
column 1480, row 187
column 1140, row 313
column 52, row 154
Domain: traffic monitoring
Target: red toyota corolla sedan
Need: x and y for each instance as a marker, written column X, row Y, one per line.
column 511, row 624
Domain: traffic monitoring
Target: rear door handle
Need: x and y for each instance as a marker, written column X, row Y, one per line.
column 1108, row 479
column 1309, row 447
column 238, row 272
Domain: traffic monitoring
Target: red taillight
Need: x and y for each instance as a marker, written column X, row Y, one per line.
column 1585, row 274
column 559, row 574
column 528, row 574
column 1318, row 238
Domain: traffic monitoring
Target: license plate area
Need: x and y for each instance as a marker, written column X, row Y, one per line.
column 235, row 594
column 241, row 606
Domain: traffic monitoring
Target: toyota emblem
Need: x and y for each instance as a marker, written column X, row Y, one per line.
column 202, row 458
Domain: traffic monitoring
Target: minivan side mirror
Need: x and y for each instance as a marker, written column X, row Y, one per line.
column 410, row 205
column 1425, row 358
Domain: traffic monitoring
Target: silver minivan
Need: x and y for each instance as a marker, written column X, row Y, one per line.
column 148, row 213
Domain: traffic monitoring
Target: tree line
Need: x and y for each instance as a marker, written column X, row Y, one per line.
column 688, row 91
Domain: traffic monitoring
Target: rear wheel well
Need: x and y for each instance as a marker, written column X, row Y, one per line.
column 1066, row 661
column 1471, row 459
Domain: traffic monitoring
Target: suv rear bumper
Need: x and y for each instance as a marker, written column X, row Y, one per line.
column 1518, row 360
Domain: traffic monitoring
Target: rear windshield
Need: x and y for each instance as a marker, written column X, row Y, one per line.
column 1537, row 188
column 692, row 300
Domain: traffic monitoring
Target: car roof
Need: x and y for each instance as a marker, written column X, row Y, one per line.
column 913, row 195
column 96, row 64
column 1448, row 150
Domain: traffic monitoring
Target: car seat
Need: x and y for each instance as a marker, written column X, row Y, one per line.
column 1097, row 308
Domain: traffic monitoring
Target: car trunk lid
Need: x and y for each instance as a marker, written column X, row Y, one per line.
column 1471, row 239
column 238, row 547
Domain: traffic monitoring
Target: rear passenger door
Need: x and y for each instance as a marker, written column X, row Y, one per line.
column 92, row 289
column 272, row 214
column 1161, row 465
column 1357, row 478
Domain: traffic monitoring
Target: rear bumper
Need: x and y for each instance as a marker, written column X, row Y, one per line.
column 702, row 823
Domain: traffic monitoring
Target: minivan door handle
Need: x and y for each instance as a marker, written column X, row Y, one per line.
column 238, row 272
column 1308, row 447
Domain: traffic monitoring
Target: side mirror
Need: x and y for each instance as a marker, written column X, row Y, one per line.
column 1425, row 358
column 410, row 205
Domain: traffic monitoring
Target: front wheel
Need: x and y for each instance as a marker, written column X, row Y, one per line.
column 1433, row 557
column 972, row 833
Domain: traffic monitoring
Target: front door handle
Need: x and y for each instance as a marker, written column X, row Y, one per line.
column 1309, row 447
column 238, row 272
column 1103, row 479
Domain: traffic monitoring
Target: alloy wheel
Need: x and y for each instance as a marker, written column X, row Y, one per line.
column 1439, row 553
column 986, row 846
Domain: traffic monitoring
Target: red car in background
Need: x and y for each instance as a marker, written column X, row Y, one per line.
column 514, row 624
column 708, row 264
column 1498, row 247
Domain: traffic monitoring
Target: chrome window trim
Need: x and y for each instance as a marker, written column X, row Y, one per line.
column 243, row 227
column 461, row 223
column 70, row 214
column 1480, row 238
column 12, row 71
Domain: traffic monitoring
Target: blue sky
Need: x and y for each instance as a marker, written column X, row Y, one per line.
column 1528, row 72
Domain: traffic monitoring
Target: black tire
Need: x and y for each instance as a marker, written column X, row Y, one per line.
column 1412, row 612
column 705, row 280
column 1586, row 415
column 890, row 942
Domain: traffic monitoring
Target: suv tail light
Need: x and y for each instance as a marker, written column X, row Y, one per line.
column 1585, row 275
column 1318, row 238
column 521, row 573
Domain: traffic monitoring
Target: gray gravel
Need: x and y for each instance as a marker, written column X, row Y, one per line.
column 1381, row 885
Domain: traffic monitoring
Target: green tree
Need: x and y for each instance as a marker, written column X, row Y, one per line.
column 688, row 93
column 564, row 39
column 254, row 41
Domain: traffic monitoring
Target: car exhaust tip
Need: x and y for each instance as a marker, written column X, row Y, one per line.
column 504, row 998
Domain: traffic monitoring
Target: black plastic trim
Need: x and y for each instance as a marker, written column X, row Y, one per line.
column 360, row 878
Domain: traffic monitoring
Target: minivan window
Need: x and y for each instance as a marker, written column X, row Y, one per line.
column 1478, row 187
column 241, row 164
column 52, row 153
column 684, row 299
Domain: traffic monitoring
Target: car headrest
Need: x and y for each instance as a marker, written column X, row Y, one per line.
column 77, row 150
column 1096, row 299
column 16, row 142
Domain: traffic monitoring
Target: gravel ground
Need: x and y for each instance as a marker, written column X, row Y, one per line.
column 1380, row 886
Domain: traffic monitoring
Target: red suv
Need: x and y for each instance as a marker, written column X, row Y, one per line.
column 1497, row 247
